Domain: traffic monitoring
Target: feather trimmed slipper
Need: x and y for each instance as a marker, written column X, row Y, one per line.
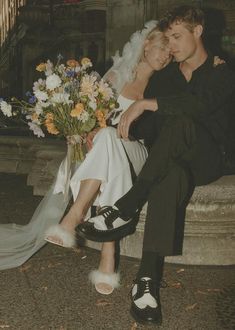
column 58, row 235
column 104, row 283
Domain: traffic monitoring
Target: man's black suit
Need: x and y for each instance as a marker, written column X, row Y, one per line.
column 186, row 137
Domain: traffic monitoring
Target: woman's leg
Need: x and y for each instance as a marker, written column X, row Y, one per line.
column 105, row 278
column 87, row 193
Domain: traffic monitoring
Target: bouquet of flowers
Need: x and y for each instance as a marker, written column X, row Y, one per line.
column 68, row 102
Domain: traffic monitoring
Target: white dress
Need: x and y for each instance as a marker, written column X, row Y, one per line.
column 106, row 161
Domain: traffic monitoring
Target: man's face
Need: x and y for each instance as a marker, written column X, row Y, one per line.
column 182, row 42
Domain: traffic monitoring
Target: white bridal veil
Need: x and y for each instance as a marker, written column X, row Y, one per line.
column 18, row 243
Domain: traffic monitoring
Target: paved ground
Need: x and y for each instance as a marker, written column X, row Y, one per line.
column 51, row 290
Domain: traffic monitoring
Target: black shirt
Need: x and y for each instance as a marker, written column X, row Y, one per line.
column 206, row 98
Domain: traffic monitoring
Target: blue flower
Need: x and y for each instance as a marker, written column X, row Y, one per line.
column 70, row 73
column 32, row 99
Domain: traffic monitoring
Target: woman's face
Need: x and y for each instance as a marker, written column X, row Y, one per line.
column 157, row 53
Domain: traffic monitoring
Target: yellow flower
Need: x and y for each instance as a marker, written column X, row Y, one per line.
column 79, row 108
column 41, row 67
column 72, row 63
column 86, row 61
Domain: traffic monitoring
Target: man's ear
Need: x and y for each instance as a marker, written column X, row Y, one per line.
column 198, row 30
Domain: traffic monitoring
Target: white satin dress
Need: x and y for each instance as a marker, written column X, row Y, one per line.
column 106, row 161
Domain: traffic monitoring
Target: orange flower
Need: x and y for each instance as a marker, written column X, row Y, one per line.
column 102, row 123
column 49, row 117
column 99, row 114
column 79, row 108
column 34, row 116
column 101, row 118
column 50, row 125
column 41, row 67
column 52, row 129
column 72, row 63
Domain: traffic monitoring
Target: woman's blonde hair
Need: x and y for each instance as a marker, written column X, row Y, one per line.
column 123, row 69
column 155, row 35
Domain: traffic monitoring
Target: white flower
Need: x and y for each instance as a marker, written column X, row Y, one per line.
column 6, row 108
column 61, row 68
column 88, row 86
column 61, row 98
column 105, row 90
column 93, row 105
column 39, row 84
column 36, row 129
column 40, row 95
column 38, row 108
column 77, row 69
column 34, row 119
column 49, row 67
column 53, row 81
column 84, row 116
column 44, row 104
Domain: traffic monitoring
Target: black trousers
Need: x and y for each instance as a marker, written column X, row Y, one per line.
column 183, row 156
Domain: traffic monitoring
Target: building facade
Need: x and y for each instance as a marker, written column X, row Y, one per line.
column 35, row 30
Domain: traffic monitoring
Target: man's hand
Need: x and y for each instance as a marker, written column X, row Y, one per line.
column 132, row 113
column 218, row 61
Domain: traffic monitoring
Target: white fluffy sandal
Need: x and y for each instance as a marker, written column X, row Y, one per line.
column 67, row 239
column 104, row 283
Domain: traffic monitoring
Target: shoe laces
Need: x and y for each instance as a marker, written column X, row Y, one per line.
column 110, row 215
column 159, row 285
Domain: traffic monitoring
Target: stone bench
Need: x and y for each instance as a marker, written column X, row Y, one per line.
column 210, row 215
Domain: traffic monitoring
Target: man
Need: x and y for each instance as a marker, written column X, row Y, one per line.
column 185, row 128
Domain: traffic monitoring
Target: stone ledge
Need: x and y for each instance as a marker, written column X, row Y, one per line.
column 210, row 215
column 209, row 227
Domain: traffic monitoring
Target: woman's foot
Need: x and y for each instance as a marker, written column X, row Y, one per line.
column 64, row 234
column 104, row 283
column 58, row 235
column 105, row 278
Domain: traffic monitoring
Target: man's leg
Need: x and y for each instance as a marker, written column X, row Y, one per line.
column 180, row 141
column 161, row 229
column 176, row 139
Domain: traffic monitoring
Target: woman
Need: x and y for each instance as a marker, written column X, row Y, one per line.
column 147, row 51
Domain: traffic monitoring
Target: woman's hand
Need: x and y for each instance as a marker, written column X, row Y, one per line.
column 132, row 113
column 90, row 136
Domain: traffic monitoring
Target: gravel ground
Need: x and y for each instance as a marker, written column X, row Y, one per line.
column 51, row 290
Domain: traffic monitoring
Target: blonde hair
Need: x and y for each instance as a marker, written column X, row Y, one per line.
column 123, row 69
column 155, row 35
